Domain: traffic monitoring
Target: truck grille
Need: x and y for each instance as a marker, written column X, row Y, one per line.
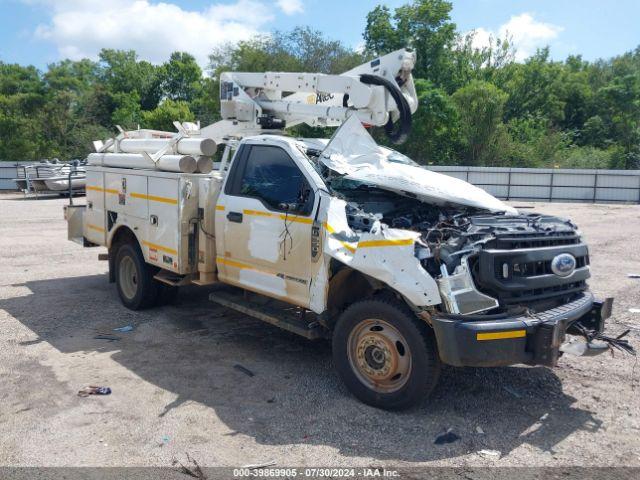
column 514, row 240
column 523, row 275
column 532, row 269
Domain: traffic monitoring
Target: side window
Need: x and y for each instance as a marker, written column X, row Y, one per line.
column 272, row 176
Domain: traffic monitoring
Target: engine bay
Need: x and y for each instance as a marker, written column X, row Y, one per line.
column 453, row 237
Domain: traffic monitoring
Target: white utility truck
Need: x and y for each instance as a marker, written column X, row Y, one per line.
column 401, row 267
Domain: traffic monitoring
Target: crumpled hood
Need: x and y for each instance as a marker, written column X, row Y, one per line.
column 352, row 152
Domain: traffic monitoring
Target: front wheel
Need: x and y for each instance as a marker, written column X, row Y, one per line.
column 384, row 354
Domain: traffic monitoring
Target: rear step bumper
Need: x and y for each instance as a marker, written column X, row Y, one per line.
column 532, row 340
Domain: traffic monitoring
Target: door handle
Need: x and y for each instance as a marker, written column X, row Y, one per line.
column 234, row 217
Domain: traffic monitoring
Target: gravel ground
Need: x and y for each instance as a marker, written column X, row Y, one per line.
column 175, row 388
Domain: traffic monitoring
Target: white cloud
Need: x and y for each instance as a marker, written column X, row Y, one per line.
column 290, row 7
column 526, row 33
column 80, row 28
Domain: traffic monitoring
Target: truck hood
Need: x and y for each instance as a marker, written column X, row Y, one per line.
column 352, row 152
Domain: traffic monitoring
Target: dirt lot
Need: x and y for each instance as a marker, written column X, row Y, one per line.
column 175, row 388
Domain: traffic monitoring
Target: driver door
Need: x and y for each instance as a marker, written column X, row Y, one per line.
column 266, row 209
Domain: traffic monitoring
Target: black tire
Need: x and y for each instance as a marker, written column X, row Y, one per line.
column 362, row 354
column 134, row 278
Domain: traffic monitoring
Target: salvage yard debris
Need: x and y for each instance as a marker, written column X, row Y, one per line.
column 125, row 329
column 614, row 342
column 193, row 471
column 94, row 390
column 494, row 454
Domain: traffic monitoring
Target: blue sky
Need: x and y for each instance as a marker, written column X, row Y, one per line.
column 42, row 31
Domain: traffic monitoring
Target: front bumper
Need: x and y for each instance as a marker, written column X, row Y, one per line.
column 470, row 341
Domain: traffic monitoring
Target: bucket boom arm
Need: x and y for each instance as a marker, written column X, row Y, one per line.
column 379, row 92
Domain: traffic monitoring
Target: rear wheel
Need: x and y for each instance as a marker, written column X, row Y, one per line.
column 134, row 278
column 384, row 354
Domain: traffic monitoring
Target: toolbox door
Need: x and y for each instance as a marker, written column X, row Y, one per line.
column 126, row 194
column 94, row 228
column 164, row 223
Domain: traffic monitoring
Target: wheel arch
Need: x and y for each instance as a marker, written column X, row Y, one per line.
column 348, row 285
column 121, row 235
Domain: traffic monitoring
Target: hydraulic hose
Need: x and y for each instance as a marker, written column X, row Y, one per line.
column 398, row 135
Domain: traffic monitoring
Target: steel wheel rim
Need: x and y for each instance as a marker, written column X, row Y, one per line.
column 379, row 355
column 128, row 276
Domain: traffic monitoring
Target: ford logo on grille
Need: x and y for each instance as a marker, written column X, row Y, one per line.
column 563, row 265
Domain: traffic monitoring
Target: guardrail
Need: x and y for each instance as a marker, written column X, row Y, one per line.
column 551, row 184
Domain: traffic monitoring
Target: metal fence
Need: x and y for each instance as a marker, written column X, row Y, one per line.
column 532, row 184
column 549, row 185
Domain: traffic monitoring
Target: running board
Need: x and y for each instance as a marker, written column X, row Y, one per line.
column 311, row 330
column 172, row 279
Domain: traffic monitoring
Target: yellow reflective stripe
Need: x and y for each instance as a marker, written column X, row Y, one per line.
column 289, row 218
column 281, row 216
column 332, row 230
column 233, row 263
column 236, row 264
column 160, row 247
column 256, row 212
column 95, row 227
column 220, row 207
column 386, row 243
column 155, row 198
column 100, row 189
column 501, row 335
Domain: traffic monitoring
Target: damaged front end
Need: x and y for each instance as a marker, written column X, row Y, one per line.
column 498, row 287
column 510, row 287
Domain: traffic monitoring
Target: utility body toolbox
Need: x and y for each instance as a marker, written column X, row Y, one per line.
column 161, row 208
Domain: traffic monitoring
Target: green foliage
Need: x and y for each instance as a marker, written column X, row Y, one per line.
column 424, row 25
column 301, row 50
column 163, row 116
column 181, row 77
column 435, row 136
column 476, row 105
column 480, row 107
column 128, row 112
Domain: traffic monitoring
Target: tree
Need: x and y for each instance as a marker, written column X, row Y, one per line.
column 424, row 25
column 181, row 77
column 127, row 113
column 165, row 114
column 535, row 88
column 480, row 106
column 435, row 133
column 302, row 49
column 122, row 72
